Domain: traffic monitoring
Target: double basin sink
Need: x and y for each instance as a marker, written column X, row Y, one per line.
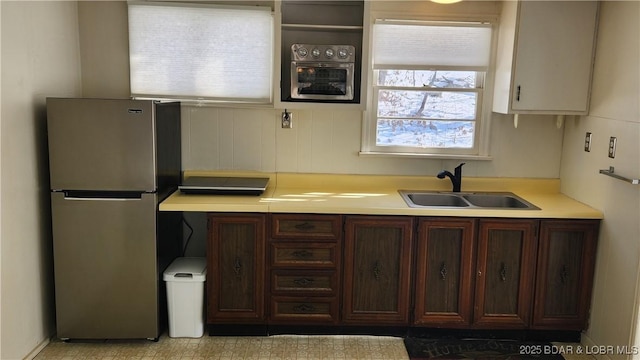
column 476, row 200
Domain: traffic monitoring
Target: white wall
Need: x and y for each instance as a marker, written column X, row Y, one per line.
column 322, row 140
column 328, row 141
column 615, row 111
column 104, row 26
column 40, row 58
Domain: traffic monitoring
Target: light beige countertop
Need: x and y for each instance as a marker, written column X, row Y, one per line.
column 378, row 195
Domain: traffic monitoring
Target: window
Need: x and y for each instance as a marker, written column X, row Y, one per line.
column 201, row 52
column 428, row 87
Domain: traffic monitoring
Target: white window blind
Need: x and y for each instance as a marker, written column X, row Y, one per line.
column 443, row 45
column 195, row 51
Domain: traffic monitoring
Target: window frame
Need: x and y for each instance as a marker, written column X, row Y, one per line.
column 480, row 150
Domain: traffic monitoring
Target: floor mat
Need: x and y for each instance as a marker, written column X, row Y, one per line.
column 419, row 348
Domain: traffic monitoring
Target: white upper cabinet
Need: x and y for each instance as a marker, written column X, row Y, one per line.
column 545, row 57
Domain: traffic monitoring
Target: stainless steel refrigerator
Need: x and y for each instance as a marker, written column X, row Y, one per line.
column 111, row 163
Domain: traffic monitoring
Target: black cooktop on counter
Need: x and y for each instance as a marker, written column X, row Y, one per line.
column 223, row 185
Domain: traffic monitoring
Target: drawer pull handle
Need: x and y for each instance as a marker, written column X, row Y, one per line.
column 305, row 226
column 303, row 281
column 304, row 308
column 443, row 271
column 564, row 275
column 237, row 266
column 302, row 254
column 503, row 272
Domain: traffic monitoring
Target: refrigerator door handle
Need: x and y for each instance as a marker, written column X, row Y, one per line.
column 103, row 195
column 100, row 199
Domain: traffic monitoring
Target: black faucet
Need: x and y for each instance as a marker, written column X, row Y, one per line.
column 456, row 179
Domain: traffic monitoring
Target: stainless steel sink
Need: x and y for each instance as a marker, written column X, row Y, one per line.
column 486, row 200
column 434, row 199
column 480, row 200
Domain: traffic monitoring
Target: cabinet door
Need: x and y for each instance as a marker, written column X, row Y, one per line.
column 545, row 56
column 377, row 264
column 235, row 273
column 564, row 278
column 505, row 270
column 554, row 55
column 444, row 272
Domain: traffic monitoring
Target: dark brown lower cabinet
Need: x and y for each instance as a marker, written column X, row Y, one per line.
column 444, row 272
column 472, row 273
column 566, row 262
column 505, row 273
column 235, row 273
column 377, row 266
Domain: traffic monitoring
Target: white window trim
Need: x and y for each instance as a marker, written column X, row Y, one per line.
column 482, row 143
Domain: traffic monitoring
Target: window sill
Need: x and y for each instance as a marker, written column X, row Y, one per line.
column 194, row 102
column 427, row 156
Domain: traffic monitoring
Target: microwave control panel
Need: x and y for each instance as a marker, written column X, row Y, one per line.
column 322, row 53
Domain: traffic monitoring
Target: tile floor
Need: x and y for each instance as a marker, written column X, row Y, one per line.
column 341, row 347
column 572, row 351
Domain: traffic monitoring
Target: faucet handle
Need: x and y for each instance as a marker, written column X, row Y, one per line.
column 460, row 166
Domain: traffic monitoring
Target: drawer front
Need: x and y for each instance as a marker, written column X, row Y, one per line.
column 286, row 309
column 303, row 255
column 317, row 227
column 322, row 283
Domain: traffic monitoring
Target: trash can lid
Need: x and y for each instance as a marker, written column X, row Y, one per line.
column 187, row 269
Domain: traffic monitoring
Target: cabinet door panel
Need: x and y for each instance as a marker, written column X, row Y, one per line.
column 377, row 266
column 376, row 269
column 502, row 272
column 444, row 264
column 236, row 268
column 541, row 81
column 505, row 270
column 564, row 274
column 444, row 272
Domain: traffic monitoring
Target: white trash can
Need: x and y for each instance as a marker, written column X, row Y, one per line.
column 185, row 279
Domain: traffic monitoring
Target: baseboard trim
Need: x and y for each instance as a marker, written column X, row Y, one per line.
column 37, row 349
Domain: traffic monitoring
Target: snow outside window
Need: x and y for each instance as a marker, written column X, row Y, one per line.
column 428, row 85
column 201, row 52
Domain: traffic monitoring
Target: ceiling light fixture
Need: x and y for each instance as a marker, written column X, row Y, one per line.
column 446, row 1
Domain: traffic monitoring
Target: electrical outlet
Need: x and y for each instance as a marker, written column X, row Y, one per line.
column 612, row 146
column 287, row 120
column 587, row 142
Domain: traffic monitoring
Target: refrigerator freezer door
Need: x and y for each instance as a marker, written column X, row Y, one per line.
column 101, row 144
column 106, row 283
